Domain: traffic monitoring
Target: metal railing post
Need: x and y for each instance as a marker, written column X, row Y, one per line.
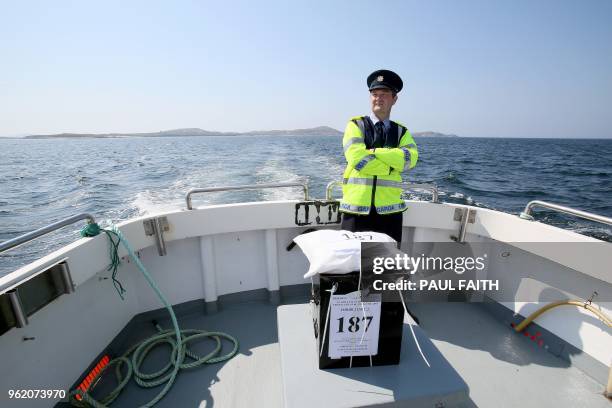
column 526, row 214
column 330, row 187
column 245, row 187
column 22, row 239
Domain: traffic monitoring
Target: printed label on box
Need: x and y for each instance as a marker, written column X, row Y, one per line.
column 354, row 325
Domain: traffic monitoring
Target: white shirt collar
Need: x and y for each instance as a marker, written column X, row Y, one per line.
column 386, row 123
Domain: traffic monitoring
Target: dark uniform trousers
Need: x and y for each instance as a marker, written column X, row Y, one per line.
column 390, row 224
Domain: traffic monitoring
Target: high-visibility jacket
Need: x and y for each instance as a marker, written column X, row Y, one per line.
column 373, row 175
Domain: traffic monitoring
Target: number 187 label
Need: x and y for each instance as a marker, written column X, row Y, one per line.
column 354, row 325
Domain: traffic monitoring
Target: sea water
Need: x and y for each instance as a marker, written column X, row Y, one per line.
column 45, row 180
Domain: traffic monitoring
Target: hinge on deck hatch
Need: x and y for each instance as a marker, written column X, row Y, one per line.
column 156, row 227
column 464, row 216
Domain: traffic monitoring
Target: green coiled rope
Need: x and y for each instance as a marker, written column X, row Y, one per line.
column 140, row 350
column 93, row 229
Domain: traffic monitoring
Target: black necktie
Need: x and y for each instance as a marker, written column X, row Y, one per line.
column 379, row 141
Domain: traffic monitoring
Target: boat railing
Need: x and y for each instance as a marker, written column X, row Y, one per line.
column 405, row 187
column 22, row 239
column 244, row 187
column 24, row 291
column 527, row 213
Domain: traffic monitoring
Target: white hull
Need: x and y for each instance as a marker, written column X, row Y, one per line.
column 228, row 249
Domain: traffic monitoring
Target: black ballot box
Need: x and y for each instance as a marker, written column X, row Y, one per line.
column 355, row 324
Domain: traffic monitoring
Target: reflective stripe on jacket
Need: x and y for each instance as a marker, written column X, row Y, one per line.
column 373, row 176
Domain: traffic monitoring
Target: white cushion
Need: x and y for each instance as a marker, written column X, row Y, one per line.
column 335, row 251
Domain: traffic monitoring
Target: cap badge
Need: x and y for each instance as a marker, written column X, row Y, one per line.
column 380, row 78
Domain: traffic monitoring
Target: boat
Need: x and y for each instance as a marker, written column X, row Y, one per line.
column 229, row 274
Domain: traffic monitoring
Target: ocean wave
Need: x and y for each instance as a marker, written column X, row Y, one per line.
column 276, row 171
column 152, row 202
column 142, row 176
column 597, row 232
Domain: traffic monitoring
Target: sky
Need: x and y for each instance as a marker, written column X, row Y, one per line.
column 523, row 68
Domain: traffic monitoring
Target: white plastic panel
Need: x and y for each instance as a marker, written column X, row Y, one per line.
column 240, row 261
column 178, row 274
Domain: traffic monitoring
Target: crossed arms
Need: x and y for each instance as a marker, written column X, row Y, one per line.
column 381, row 161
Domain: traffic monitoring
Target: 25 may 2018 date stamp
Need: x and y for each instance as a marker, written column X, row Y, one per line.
column 34, row 394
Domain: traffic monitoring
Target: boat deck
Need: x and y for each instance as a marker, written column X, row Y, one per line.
column 501, row 368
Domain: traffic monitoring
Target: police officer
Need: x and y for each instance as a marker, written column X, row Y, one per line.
column 377, row 150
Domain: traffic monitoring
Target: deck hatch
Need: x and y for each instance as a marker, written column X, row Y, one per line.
column 32, row 295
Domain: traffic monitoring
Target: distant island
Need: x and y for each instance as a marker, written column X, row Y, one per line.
column 432, row 134
column 316, row 131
